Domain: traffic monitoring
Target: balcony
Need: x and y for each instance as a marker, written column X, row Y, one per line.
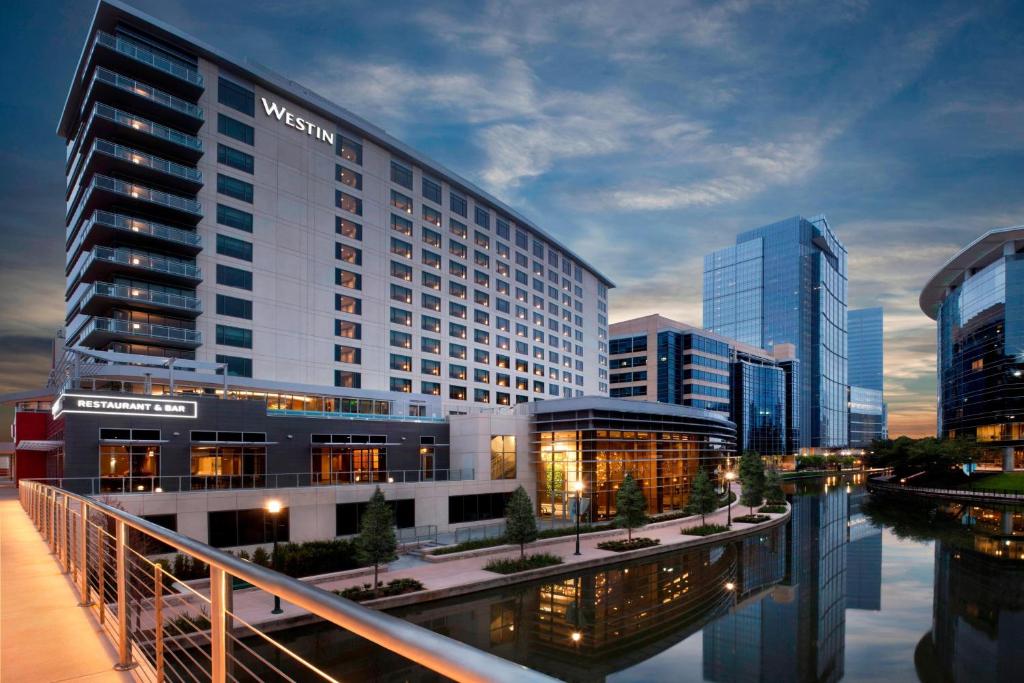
column 101, row 331
column 103, row 227
column 103, row 192
column 102, row 263
column 127, row 55
column 101, row 296
column 113, row 124
column 143, row 99
column 105, row 157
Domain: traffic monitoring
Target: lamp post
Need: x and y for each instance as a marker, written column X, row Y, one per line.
column 578, row 486
column 274, row 508
column 729, row 476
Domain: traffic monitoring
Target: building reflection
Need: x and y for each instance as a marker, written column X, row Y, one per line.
column 863, row 556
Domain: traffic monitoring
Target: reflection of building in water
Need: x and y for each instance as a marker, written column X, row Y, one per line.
column 863, row 558
column 797, row 631
column 978, row 625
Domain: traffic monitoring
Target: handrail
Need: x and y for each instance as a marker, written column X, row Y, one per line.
column 48, row 507
column 999, row 494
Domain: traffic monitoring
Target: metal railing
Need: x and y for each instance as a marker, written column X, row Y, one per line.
column 141, row 54
column 136, row 225
column 143, row 294
column 184, row 483
column 146, row 91
column 163, row 629
column 112, row 149
column 142, row 259
column 133, row 329
column 995, row 495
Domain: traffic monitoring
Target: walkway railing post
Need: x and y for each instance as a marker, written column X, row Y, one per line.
column 101, row 578
column 83, row 555
column 123, row 646
column 158, row 619
column 218, row 619
column 65, row 534
column 51, row 518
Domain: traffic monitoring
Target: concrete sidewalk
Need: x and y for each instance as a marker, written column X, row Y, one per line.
column 44, row 635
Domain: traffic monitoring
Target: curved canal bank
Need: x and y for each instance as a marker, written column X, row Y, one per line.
column 977, row 496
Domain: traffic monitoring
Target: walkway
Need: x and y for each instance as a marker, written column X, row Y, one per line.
column 44, row 635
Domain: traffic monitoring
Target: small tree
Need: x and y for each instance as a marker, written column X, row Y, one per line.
column 702, row 496
column 753, row 479
column 520, row 522
column 773, row 488
column 376, row 542
column 630, row 505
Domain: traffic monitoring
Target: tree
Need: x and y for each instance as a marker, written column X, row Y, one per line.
column 520, row 522
column 702, row 496
column 773, row 488
column 376, row 542
column 630, row 505
column 752, row 478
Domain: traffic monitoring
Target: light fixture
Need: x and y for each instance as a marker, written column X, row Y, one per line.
column 158, row 490
column 576, row 635
column 577, row 486
column 391, row 480
column 273, row 506
column 730, row 586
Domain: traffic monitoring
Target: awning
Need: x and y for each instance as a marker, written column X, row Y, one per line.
column 27, row 445
column 133, row 442
column 234, row 443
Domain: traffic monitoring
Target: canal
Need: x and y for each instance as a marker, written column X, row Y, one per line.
column 850, row 589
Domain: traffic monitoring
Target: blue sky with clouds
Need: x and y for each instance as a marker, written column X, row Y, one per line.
column 643, row 134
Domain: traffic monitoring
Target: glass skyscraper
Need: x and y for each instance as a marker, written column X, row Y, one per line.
column 868, row 415
column 786, row 283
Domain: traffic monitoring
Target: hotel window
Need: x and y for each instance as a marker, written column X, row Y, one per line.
column 401, row 247
column 347, row 228
column 430, row 388
column 430, row 324
column 431, row 281
column 400, row 362
column 402, row 340
column 348, row 279
column 522, row 384
column 522, row 240
column 401, row 271
column 503, row 250
column 400, row 293
column 432, row 216
column 457, row 269
column 482, row 376
column 349, row 150
column 235, row 188
column 235, row 158
column 401, row 202
column 538, row 387
column 458, row 229
column 127, row 468
column 402, row 385
column 233, row 277
column 457, row 310
column 457, row 371
column 234, row 218
column 400, row 317
column 457, row 249
column 234, row 336
column 481, row 298
column 348, row 354
column 457, row 290
column 431, row 259
column 456, row 330
column 235, row 129
column 347, row 379
column 402, row 225
column 481, row 337
column 502, row 228
column 502, row 399
column 237, row 367
column 401, row 175
column 347, row 176
column 482, row 218
column 481, row 395
column 348, row 254
column 432, row 237
column 430, row 367
column 502, row 361
column 347, row 202
column 431, row 190
column 457, row 204
column 348, row 304
column 481, row 317
column 457, row 351
column 481, row 259
column 457, row 393
column 503, row 343
column 348, row 329
column 430, row 302
column 477, row 507
column 504, row 270
column 236, row 308
column 503, row 457
column 502, row 380
column 481, row 278
column 481, row 356
column 236, row 96
column 428, row 345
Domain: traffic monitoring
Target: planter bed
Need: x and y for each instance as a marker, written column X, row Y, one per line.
column 777, row 509
column 751, row 519
column 514, row 565
column 623, row 546
column 393, row 587
column 705, row 530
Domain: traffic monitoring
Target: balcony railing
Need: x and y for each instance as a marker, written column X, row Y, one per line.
column 143, row 295
column 138, row 329
column 148, row 92
column 139, row 158
column 143, row 193
column 141, row 54
column 141, row 227
column 166, row 630
column 135, row 259
column 105, row 111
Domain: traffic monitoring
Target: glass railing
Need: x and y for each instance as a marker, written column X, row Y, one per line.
column 146, row 126
column 141, row 54
column 131, row 293
column 148, row 92
column 139, row 259
column 147, row 160
column 129, row 224
column 137, row 329
column 136, row 191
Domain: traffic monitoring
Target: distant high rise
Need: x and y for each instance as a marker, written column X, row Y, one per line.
column 786, row 283
column 868, row 414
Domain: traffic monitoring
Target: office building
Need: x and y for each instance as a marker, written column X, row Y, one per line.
column 656, row 358
column 786, row 283
column 977, row 299
column 868, row 416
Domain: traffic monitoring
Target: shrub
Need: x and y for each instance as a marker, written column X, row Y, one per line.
column 261, row 557
column 773, row 508
column 702, row 496
column 393, row 587
column 509, row 565
column 751, row 519
column 520, row 522
column 189, row 623
column 632, row 544
column 705, row 530
column 630, row 505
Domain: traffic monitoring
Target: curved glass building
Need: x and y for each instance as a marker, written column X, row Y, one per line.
column 977, row 298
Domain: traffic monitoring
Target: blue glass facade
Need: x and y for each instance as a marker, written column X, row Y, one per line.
column 864, row 326
column 786, row 283
column 759, row 407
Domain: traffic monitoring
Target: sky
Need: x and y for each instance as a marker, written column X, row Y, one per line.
column 641, row 134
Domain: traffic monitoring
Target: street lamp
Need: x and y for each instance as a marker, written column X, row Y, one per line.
column 578, row 486
column 729, row 476
column 274, row 507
